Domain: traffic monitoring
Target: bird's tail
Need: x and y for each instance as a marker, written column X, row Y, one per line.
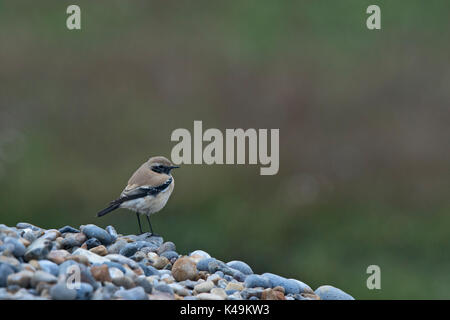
column 112, row 207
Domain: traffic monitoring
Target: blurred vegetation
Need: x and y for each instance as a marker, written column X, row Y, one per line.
column 363, row 117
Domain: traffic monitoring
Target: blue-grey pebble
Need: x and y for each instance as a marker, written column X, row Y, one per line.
column 5, row 271
column 84, row 292
column 239, row 276
column 38, row 250
column 92, row 243
column 129, row 249
column 166, row 246
column 202, row 265
column 64, row 267
column 241, row 266
column 164, row 288
column 332, row 293
column 112, row 265
column 289, row 285
column 228, row 277
column 67, row 229
column 60, row 291
column 149, row 270
column 49, row 266
column 170, row 255
column 254, row 280
column 26, row 225
column 112, row 231
column 93, row 231
column 145, row 284
column 18, row 247
column 137, row 293
column 230, row 292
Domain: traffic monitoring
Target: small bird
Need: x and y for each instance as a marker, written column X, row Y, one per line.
column 147, row 191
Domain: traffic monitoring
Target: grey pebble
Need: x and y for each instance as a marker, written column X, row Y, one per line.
column 137, row 293
column 60, row 291
column 18, row 249
column 166, row 246
column 241, row 266
column 93, row 231
column 164, row 288
column 332, row 293
column 170, row 255
column 289, row 285
column 149, row 270
column 5, row 271
column 38, row 250
column 50, row 267
column 112, row 232
column 92, row 243
column 254, row 280
column 67, row 229
column 144, row 283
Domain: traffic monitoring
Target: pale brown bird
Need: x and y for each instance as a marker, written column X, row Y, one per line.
column 147, row 191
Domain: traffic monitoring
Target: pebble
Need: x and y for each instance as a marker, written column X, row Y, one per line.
column 92, row 243
column 112, row 232
column 101, row 273
column 270, row 294
column 204, row 287
column 202, row 265
column 145, row 284
column 84, row 292
column 170, row 255
column 21, row 279
column 100, row 250
column 332, row 293
column 5, row 271
column 254, row 280
column 290, row 286
column 234, row 286
column 60, row 291
column 219, row 292
column 163, row 287
column 42, row 276
column 67, row 229
column 18, row 249
column 161, row 262
column 38, row 250
column 209, row 296
column 184, row 269
column 93, row 231
column 137, row 293
column 58, row 256
column 73, row 240
column 240, row 266
column 166, row 246
column 201, row 253
column 49, row 267
column 36, row 263
column 92, row 257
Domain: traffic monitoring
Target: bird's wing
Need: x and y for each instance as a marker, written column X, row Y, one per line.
column 142, row 191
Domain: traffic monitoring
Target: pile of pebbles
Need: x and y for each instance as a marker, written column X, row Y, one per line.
column 98, row 264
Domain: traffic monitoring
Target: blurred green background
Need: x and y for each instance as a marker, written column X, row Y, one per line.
column 363, row 116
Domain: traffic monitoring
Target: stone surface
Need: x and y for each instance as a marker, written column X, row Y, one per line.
column 46, row 264
column 332, row 293
column 184, row 269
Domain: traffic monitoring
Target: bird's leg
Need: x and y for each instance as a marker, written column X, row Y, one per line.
column 150, row 225
column 139, row 222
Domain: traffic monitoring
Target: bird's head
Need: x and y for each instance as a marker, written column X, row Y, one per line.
column 161, row 165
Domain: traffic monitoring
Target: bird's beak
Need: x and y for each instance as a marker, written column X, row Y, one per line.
column 174, row 167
